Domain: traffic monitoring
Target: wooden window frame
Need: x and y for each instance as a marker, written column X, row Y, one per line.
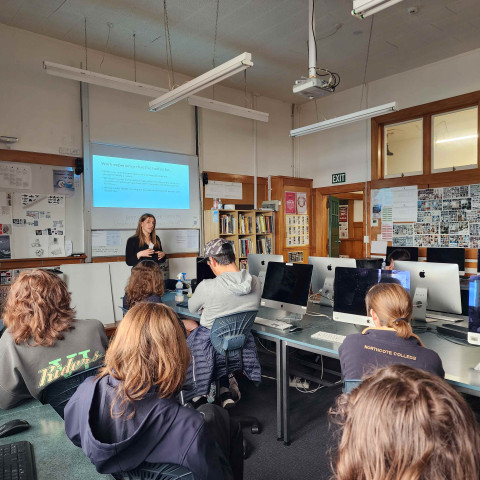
column 425, row 111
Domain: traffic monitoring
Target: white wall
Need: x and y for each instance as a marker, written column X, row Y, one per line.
column 347, row 149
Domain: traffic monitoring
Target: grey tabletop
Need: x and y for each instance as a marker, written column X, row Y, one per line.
column 56, row 457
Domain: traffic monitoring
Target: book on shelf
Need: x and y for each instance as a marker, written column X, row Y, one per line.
column 227, row 224
column 264, row 224
column 243, row 264
column 264, row 245
column 246, row 247
column 245, row 224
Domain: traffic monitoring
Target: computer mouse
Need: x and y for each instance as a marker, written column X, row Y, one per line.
column 12, row 427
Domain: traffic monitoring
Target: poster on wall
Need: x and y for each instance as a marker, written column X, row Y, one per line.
column 63, row 182
column 343, row 221
column 297, row 230
column 38, row 225
column 301, row 203
column 290, row 203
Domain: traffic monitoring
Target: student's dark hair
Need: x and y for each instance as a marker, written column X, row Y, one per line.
column 227, row 257
column 146, row 279
column 403, row 423
column 398, row 254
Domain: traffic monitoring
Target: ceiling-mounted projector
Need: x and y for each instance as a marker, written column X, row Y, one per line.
column 313, row 88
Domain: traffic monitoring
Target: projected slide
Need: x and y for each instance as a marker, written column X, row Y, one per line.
column 128, row 183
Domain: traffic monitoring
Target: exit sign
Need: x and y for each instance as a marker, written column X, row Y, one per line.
column 338, row 178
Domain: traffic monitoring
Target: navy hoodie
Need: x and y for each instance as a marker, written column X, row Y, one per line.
column 161, row 431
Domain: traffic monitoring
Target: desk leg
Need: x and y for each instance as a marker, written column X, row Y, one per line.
column 278, row 368
column 285, row 388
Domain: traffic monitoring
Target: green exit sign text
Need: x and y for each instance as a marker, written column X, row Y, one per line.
column 338, row 178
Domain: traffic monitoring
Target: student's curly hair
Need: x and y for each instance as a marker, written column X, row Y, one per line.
column 146, row 279
column 148, row 350
column 403, row 423
column 38, row 310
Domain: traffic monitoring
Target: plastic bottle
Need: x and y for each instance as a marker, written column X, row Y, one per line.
column 215, row 204
column 179, row 289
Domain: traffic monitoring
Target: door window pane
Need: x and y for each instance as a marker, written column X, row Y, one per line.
column 455, row 140
column 403, row 149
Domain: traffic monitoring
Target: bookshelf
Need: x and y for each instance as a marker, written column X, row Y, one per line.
column 250, row 231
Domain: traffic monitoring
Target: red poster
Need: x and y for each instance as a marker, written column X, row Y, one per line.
column 343, row 213
column 290, row 203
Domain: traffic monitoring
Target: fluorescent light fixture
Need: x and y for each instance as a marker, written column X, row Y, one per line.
column 365, row 8
column 468, row 137
column 102, row 80
column 227, row 69
column 228, row 108
column 343, row 120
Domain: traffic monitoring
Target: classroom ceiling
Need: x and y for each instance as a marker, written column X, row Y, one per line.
column 274, row 31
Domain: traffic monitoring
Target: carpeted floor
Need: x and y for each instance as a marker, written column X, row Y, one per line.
column 308, row 455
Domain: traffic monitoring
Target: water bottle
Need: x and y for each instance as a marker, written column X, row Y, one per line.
column 179, row 289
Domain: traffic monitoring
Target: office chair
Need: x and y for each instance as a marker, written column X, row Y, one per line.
column 156, row 471
column 58, row 393
column 351, row 384
column 228, row 336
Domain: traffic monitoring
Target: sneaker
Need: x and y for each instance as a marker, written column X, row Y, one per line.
column 234, row 390
column 226, row 400
column 298, row 382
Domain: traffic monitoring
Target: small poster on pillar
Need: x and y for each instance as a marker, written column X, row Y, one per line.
column 290, row 203
column 301, row 203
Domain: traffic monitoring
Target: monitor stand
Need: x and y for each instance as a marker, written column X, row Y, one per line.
column 326, row 293
column 420, row 304
column 292, row 318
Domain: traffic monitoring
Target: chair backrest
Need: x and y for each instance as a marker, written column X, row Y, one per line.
column 351, row 384
column 229, row 333
column 58, row 393
column 156, row 471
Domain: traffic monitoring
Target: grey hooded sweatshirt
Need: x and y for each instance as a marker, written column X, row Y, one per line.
column 228, row 293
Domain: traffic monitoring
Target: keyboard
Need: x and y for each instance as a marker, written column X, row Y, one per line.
column 182, row 304
column 453, row 331
column 277, row 324
column 329, row 337
column 444, row 317
column 17, row 461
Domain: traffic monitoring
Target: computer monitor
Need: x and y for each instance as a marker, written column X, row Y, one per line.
column 351, row 286
column 287, row 287
column 258, row 262
column 375, row 263
column 433, row 286
column 204, row 272
column 412, row 251
column 447, row 255
column 324, row 274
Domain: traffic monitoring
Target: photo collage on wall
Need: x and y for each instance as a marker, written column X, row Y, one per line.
column 446, row 217
column 296, row 219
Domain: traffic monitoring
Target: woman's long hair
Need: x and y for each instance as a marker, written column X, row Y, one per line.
column 153, row 235
column 38, row 308
column 393, row 305
column 403, row 423
column 146, row 279
column 149, row 350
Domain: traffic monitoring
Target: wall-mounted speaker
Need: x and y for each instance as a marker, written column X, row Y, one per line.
column 205, row 178
column 78, row 166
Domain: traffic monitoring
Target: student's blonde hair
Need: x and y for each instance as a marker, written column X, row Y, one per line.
column 402, row 423
column 38, row 310
column 393, row 305
column 146, row 279
column 148, row 350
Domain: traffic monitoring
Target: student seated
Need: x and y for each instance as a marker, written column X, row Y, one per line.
column 390, row 341
column 145, row 284
column 397, row 254
column 404, row 423
column 129, row 414
column 43, row 342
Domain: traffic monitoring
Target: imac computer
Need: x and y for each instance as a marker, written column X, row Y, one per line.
column 258, row 262
column 448, row 255
column 375, row 263
column 412, row 251
column 324, row 274
column 287, row 287
column 351, row 286
column 433, row 286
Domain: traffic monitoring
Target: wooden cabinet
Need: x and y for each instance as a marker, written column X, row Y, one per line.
column 249, row 231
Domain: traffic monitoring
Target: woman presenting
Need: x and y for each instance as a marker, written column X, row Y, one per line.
column 145, row 244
